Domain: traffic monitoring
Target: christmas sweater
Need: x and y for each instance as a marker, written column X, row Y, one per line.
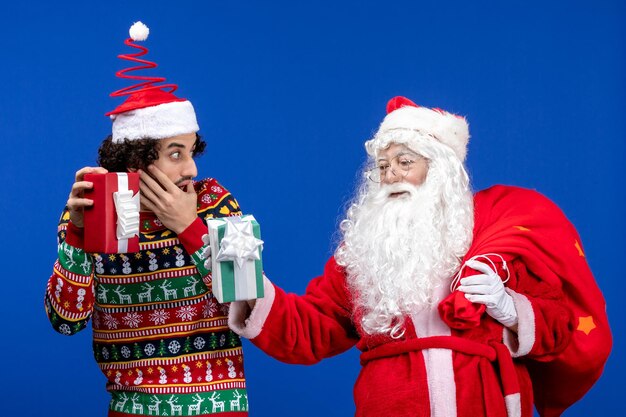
column 159, row 335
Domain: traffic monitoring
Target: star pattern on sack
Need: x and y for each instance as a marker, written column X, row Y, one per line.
column 579, row 248
column 586, row 324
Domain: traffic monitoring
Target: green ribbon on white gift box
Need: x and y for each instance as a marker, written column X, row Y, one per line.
column 236, row 258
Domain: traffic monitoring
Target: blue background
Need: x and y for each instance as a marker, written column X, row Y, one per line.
column 286, row 94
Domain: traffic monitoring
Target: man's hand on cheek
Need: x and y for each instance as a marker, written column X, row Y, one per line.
column 175, row 208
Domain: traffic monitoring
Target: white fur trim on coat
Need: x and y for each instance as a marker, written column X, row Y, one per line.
column 251, row 326
column 156, row 122
column 447, row 128
column 513, row 404
column 522, row 342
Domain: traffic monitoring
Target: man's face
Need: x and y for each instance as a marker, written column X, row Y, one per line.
column 176, row 159
column 397, row 159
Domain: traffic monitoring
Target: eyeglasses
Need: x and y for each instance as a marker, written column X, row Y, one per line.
column 399, row 166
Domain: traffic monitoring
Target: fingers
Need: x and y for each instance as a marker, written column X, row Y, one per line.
column 76, row 203
column 476, row 284
column 480, row 267
column 207, row 264
column 148, row 204
column 480, row 299
column 150, row 182
column 79, row 187
column 206, row 252
column 174, row 207
column 476, row 289
column 147, row 195
column 163, row 179
column 152, row 193
column 476, row 280
column 80, row 174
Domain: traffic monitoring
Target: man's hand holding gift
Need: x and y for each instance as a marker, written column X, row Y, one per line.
column 76, row 202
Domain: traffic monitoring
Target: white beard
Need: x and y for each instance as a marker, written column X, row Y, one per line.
column 396, row 251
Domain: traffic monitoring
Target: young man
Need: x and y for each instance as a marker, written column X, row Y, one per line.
column 159, row 335
column 452, row 298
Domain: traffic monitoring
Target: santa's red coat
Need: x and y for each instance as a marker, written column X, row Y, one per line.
column 475, row 369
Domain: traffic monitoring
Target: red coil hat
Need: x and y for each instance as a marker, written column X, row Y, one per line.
column 402, row 113
column 151, row 111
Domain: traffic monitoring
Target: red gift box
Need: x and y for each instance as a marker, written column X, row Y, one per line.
column 101, row 219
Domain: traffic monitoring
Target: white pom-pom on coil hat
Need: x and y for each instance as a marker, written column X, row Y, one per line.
column 139, row 32
column 449, row 129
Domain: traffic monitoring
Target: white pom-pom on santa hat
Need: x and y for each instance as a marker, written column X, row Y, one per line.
column 447, row 128
column 139, row 32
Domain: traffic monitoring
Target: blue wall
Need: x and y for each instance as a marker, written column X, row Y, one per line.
column 286, row 95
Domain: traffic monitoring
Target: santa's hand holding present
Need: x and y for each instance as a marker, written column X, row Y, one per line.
column 488, row 289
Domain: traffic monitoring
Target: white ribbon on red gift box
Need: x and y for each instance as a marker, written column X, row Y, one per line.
column 127, row 208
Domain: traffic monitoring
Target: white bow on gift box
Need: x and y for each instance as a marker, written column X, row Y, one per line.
column 127, row 208
column 127, row 211
column 239, row 243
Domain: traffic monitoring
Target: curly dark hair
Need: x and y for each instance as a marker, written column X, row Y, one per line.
column 138, row 154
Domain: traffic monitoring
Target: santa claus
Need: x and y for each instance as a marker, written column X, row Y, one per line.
column 450, row 296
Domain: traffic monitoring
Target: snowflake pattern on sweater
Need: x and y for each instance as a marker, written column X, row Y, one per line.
column 159, row 335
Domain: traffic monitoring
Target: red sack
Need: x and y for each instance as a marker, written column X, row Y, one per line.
column 518, row 223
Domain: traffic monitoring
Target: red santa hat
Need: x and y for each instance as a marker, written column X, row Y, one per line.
column 402, row 114
column 151, row 111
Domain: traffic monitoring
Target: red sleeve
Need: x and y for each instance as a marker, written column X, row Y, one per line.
column 191, row 237
column 305, row 329
column 75, row 235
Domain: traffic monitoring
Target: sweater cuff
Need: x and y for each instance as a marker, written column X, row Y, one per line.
column 75, row 236
column 191, row 237
column 522, row 342
column 252, row 325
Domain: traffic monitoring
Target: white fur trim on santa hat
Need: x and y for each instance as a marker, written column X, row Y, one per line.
column 449, row 129
column 155, row 122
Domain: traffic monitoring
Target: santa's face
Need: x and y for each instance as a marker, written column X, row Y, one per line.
column 403, row 238
column 397, row 163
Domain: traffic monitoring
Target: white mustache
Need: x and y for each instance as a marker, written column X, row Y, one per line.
column 400, row 187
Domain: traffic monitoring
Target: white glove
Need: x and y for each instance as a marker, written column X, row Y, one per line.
column 488, row 289
column 206, row 253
